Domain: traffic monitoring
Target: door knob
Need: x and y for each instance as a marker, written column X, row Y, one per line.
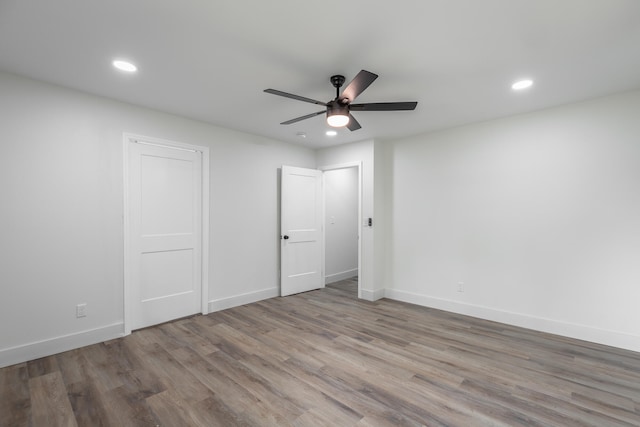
column 285, row 237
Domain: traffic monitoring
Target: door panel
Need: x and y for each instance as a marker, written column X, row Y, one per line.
column 301, row 229
column 168, row 199
column 166, row 273
column 165, row 191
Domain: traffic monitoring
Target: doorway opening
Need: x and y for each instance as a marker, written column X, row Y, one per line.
column 342, row 228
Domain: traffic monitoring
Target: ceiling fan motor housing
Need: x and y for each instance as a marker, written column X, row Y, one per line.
column 337, row 108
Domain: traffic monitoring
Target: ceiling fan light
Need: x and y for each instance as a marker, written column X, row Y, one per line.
column 337, row 115
column 337, row 120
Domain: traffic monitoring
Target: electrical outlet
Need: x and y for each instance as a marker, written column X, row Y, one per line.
column 81, row 310
column 460, row 286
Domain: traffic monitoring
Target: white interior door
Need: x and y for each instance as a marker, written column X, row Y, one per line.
column 165, row 238
column 301, row 230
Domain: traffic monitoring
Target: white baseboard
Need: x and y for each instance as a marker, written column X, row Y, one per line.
column 48, row 347
column 369, row 295
column 581, row 332
column 248, row 298
column 344, row 275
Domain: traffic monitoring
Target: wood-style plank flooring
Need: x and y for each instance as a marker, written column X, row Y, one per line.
column 324, row 358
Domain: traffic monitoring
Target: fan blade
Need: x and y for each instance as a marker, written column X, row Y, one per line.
column 353, row 123
column 384, row 106
column 308, row 116
column 292, row 96
column 358, row 85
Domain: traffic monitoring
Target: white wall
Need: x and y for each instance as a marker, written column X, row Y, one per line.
column 61, row 221
column 538, row 215
column 341, row 224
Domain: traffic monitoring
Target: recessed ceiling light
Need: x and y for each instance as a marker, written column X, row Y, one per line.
column 331, row 133
column 522, row 84
column 125, row 66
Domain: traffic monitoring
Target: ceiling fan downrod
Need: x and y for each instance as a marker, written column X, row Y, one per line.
column 337, row 81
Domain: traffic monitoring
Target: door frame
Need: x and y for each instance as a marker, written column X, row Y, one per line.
column 127, row 140
column 358, row 165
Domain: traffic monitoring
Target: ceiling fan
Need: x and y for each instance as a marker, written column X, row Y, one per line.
column 339, row 110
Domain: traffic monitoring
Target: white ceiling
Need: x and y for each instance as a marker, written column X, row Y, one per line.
column 211, row 60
